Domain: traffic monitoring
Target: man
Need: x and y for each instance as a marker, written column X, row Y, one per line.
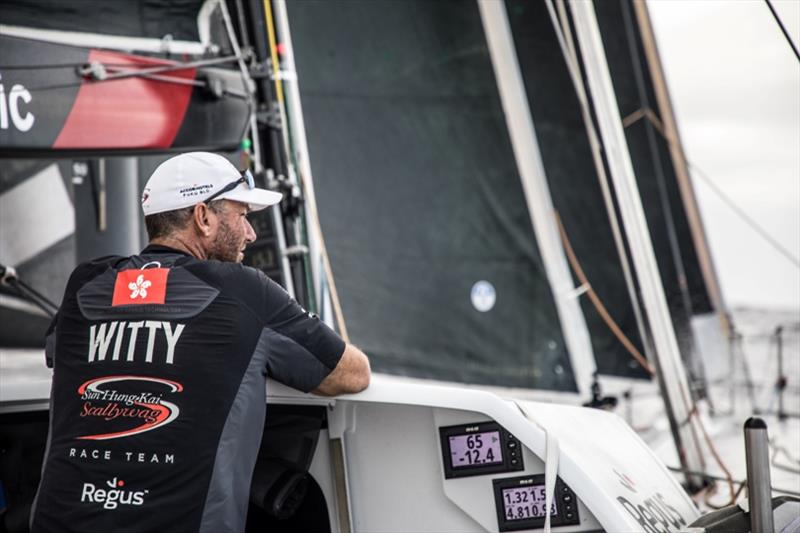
column 160, row 365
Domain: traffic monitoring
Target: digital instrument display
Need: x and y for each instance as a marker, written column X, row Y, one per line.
column 479, row 449
column 526, row 502
column 521, row 503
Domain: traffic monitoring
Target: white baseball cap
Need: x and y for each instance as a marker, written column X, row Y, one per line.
column 194, row 177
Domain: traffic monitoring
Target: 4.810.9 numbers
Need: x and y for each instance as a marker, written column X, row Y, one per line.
column 533, row 510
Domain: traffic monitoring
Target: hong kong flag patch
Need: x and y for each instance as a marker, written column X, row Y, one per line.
column 137, row 287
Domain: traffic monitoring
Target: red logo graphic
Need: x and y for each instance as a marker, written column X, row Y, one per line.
column 624, row 480
column 136, row 287
column 145, row 406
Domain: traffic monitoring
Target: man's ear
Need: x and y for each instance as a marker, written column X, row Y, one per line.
column 200, row 219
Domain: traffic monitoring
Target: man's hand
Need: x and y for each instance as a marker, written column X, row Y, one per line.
column 350, row 375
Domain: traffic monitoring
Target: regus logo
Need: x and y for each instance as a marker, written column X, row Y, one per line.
column 113, row 496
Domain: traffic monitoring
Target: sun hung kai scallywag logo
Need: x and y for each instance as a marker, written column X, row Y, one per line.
column 103, row 399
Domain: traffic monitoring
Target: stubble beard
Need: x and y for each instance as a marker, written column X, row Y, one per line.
column 226, row 246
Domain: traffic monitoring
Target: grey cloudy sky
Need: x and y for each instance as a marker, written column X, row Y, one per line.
column 735, row 87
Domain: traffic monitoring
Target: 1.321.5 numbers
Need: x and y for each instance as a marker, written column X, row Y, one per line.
column 526, row 503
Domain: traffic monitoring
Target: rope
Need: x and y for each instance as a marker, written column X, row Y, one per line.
column 648, row 113
column 574, row 262
column 286, row 136
column 634, row 352
column 567, row 44
column 273, row 51
column 651, row 116
column 598, row 305
column 713, row 490
column 728, row 477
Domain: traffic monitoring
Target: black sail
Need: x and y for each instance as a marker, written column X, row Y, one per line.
column 574, row 185
column 419, row 194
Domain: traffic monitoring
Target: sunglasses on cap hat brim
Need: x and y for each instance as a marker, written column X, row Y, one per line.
column 245, row 177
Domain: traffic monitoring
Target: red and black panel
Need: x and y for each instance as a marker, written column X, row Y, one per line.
column 47, row 104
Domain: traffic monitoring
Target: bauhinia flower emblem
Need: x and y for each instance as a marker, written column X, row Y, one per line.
column 139, row 287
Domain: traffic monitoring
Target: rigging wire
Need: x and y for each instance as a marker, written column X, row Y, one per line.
column 574, row 70
column 577, row 80
column 795, row 464
column 783, row 29
column 57, row 65
column 743, row 215
column 174, row 67
column 737, row 481
column 649, row 115
column 143, row 73
column 692, row 412
column 633, row 351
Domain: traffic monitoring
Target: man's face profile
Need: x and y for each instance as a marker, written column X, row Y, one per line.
column 232, row 234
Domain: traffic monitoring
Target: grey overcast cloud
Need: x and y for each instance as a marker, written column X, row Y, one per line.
column 735, row 87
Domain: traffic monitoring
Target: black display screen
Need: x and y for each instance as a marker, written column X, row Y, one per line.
column 479, row 449
column 475, row 449
column 521, row 503
column 526, row 502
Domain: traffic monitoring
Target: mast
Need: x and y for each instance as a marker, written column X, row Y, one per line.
column 273, row 142
column 296, row 141
column 672, row 376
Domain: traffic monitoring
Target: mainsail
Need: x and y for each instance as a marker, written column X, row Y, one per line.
column 573, row 180
column 420, row 199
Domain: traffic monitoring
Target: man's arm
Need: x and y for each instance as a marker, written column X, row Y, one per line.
column 350, row 375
